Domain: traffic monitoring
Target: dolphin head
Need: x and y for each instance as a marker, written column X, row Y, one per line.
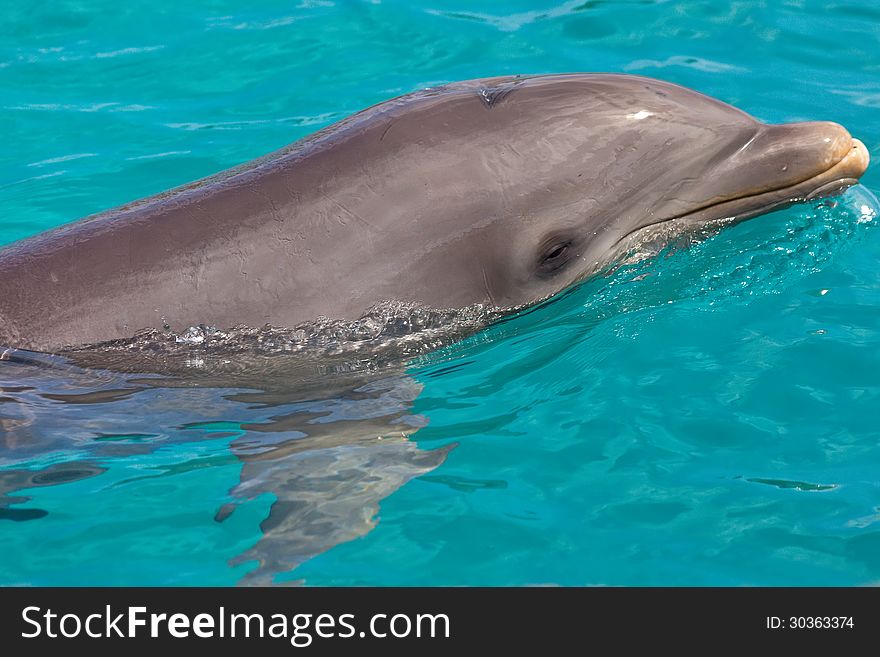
column 613, row 158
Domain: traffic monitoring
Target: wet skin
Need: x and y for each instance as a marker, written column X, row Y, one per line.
column 501, row 191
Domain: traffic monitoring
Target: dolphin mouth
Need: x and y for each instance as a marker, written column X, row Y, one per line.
column 842, row 172
column 848, row 169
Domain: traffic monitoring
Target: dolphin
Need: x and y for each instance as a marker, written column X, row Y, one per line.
column 499, row 191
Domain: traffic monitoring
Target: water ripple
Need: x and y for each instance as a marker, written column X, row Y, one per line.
column 515, row 21
column 62, row 158
column 697, row 63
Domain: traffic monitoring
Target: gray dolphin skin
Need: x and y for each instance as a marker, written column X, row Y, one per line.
column 500, row 191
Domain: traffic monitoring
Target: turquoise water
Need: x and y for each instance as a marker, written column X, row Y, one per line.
column 705, row 418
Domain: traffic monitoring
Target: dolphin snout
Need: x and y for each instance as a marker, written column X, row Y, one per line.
column 831, row 141
column 796, row 152
column 792, row 155
column 769, row 166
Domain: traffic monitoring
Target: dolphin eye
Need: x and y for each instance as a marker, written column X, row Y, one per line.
column 555, row 257
column 556, row 253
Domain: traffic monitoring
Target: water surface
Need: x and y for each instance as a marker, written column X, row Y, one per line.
column 707, row 417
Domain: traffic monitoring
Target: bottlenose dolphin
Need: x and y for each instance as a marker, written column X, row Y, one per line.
column 500, row 191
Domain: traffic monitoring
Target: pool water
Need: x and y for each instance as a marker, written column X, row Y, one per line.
column 707, row 417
